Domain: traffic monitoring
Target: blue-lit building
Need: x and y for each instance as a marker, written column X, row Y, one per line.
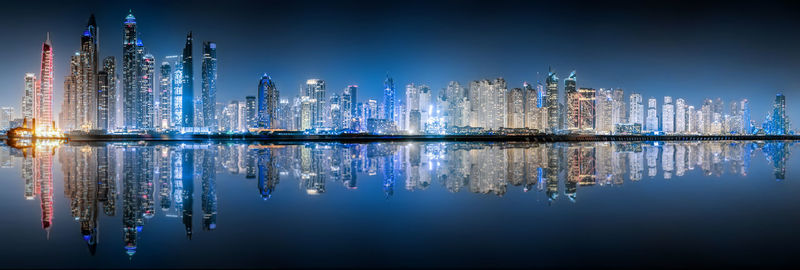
column 388, row 98
column 209, row 84
column 131, row 60
column 267, row 103
column 187, row 118
column 778, row 120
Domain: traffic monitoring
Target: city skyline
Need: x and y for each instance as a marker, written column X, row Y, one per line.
column 109, row 27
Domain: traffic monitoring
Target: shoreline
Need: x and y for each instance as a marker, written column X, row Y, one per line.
column 464, row 138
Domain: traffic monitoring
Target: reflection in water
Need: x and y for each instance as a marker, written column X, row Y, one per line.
column 146, row 176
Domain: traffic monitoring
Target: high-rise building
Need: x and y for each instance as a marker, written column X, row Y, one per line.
column 604, row 112
column 488, row 100
column 315, row 90
column 147, row 110
column 425, row 105
column 102, row 100
column 778, row 125
column 587, row 109
column 69, row 104
column 267, row 103
column 110, row 68
column 680, row 116
column 637, row 110
column 336, row 112
column 209, row 84
column 458, row 112
column 250, row 111
column 668, row 115
column 516, row 108
column 573, row 102
column 746, row 125
column 165, row 96
column 652, row 115
column 531, row 107
column 389, row 94
column 28, row 96
column 43, row 98
column 131, row 62
column 553, row 123
column 188, row 83
column 412, row 103
column 87, row 82
column 691, row 120
column 176, row 79
column 619, row 111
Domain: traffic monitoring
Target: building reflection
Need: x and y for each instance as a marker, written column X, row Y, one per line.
column 143, row 179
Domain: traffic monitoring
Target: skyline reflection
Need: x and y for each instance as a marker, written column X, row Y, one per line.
column 141, row 181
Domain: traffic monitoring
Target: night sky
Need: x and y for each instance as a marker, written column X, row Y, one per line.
column 684, row 49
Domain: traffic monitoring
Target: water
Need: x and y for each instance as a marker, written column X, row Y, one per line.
column 399, row 204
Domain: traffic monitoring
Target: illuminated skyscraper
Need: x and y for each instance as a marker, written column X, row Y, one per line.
column 267, row 103
column 652, row 115
column 389, row 95
column 778, row 125
column 637, row 109
column 110, row 68
column 516, row 108
column 531, row 106
column 28, row 95
column 43, row 99
column 176, row 79
column 745, row 112
column 147, row 110
column 668, row 115
column 573, row 102
column 587, row 109
column 315, row 90
column 680, row 116
column 187, row 83
column 102, row 100
column 250, row 112
column 618, row 108
column 69, row 106
column 165, row 96
column 209, row 84
column 131, row 62
column 553, row 123
column 412, row 104
column 604, row 112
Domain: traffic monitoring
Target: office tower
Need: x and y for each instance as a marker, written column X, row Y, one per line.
column 680, row 116
column 587, row 109
column 250, row 111
column 165, row 96
column 346, row 105
column 110, row 68
column 691, row 120
column 43, row 98
column 745, row 112
column 388, row 98
column 516, row 108
column 69, row 105
column 372, row 109
column 573, row 102
column 102, row 100
column 551, row 103
column 488, row 101
column 176, row 80
column 267, row 103
column 131, row 62
column 87, row 82
column 456, row 96
column 209, row 91
column 147, row 111
column 531, row 106
column 637, row 110
column 198, row 111
column 315, row 91
column 704, row 123
column 604, row 112
column 652, row 115
column 618, row 114
column 778, row 125
column 29, row 95
column 668, row 115
column 336, row 112
column 187, row 84
column 412, row 102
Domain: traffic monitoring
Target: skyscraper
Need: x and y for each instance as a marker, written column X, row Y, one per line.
column 110, row 68
column 388, row 98
column 209, row 84
column 131, row 62
column 176, row 116
column 637, row 109
column 187, row 84
column 604, row 111
column 315, row 90
column 668, row 115
column 87, row 80
column 516, row 108
column 165, row 96
column 412, row 104
column 746, row 125
column 680, row 116
column 102, row 100
column 553, row 123
column 531, row 106
column 778, row 126
column 573, row 102
column 147, row 110
column 28, row 95
column 652, row 115
column 587, row 109
column 43, row 99
column 250, row 112
column 267, row 103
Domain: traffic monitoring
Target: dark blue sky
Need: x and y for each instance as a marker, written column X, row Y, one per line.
column 684, row 49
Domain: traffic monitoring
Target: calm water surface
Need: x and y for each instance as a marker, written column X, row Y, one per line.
column 399, row 204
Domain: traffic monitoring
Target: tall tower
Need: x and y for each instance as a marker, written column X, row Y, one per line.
column 388, row 98
column 131, row 61
column 188, row 84
column 652, row 115
column 209, row 84
column 88, row 81
column 573, row 102
column 315, row 90
column 552, row 102
column 267, row 103
column 680, row 116
column 779, row 115
column 110, row 68
column 668, row 115
column 28, row 95
column 147, row 113
column 165, row 96
column 43, row 99
column 637, row 110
